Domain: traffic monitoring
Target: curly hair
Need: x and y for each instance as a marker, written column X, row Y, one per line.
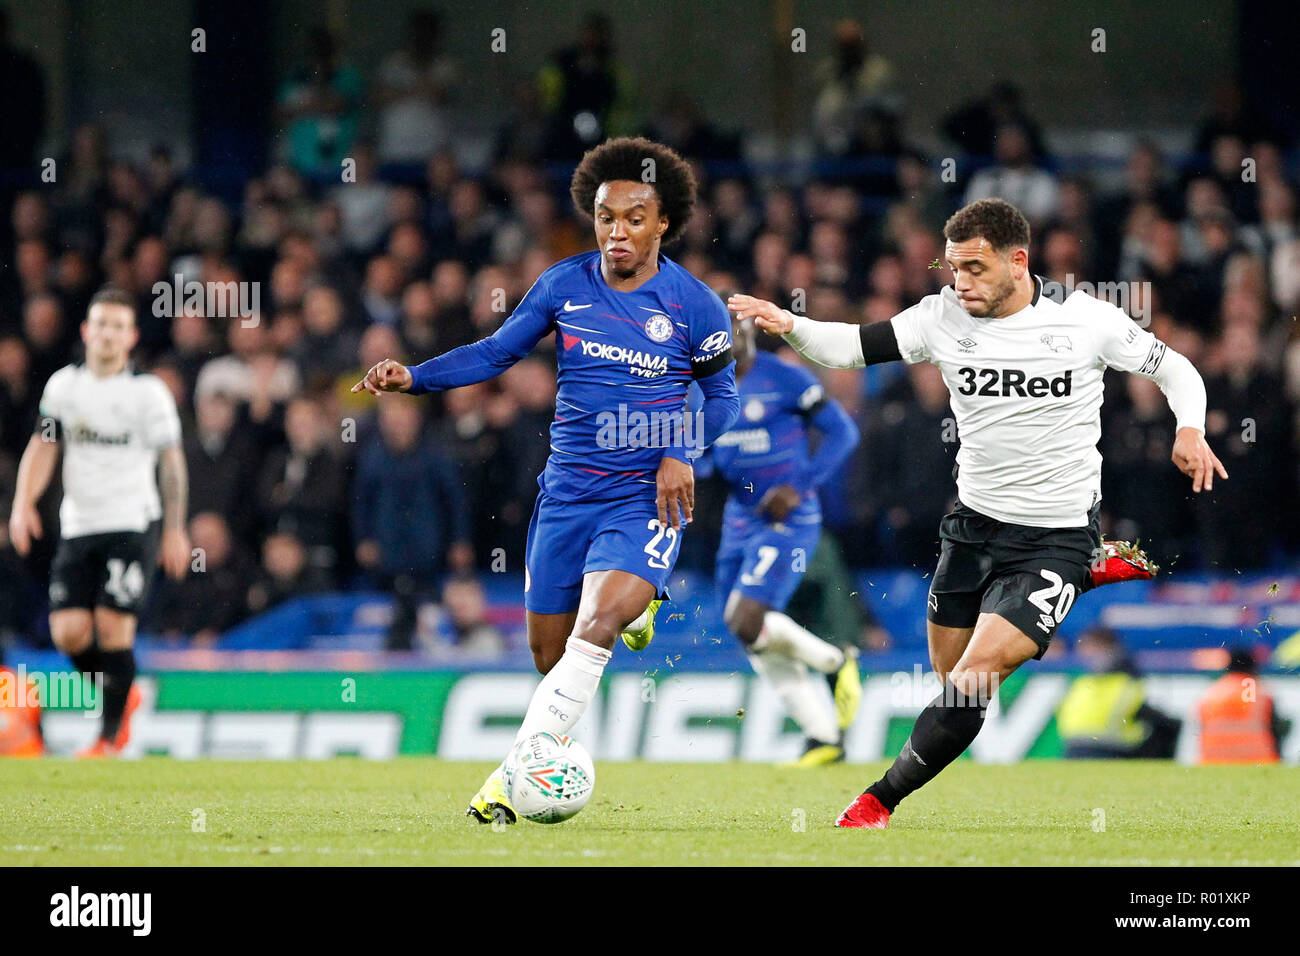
column 1002, row 224
column 625, row 159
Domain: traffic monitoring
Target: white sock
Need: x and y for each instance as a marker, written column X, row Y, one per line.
column 796, row 687
column 784, row 636
column 563, row 695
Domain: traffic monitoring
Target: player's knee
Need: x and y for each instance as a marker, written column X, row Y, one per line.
column 116, row 630
column 72, row 635
column 943, row 662
column 745, row 622
column 976, row 677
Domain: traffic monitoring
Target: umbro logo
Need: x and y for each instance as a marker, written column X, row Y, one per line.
column 570, row 307
column 967, row 345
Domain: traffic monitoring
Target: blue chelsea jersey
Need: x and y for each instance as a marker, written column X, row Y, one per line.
column 626, row 361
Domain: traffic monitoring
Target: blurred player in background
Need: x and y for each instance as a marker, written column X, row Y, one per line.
column 633, row 330
column 122, row 445
column 1025, row 377
column 770, row 529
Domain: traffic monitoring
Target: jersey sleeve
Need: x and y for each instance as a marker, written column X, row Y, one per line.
column 162, row 424
column 1124, row 345
column 806, row 393
column 912, row 328
column 531, row 320
column 710, row 333
column 51, row 408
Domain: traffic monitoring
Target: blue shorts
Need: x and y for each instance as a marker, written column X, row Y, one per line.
column 567, row 539
column 765, row 561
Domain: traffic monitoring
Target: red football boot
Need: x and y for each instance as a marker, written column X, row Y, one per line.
column 1123, row 562
column 99, row 749
column 864, row 813
column 124, row 728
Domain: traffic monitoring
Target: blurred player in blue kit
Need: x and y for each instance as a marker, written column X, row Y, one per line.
column 770, row 528
column 632, row 331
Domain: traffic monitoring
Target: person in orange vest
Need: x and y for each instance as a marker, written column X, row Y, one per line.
column 20, row 715
column 1239, row 723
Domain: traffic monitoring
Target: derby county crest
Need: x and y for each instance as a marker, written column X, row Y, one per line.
column 659, row 327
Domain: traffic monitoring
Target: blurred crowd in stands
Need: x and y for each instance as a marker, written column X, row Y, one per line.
column 299, row 486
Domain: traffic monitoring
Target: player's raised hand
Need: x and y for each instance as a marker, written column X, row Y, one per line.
column 676, row 490
column 768, row 316
column 1194, row 458
column 387, row 376
column 175, row 553
column 24, row 527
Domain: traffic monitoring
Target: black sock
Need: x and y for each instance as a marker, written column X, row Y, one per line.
column 119, row 674
column 945, row 728
column 90, row 661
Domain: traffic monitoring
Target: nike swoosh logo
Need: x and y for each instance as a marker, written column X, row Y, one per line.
column 570, row 307
column 567, row 697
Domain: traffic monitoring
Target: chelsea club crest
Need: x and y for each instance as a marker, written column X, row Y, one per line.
column 659, row 327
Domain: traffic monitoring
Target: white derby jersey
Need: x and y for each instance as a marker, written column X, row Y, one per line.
column 112, row 429
column 1026, row 392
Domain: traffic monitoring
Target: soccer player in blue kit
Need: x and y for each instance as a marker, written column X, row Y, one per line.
column 770, row 528
column 633, row 330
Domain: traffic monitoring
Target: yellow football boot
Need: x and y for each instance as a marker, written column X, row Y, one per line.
column 492, row 803
column 641, row 632
column 847, row 686
column 819, row 754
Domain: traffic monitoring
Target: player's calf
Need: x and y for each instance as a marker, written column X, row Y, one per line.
column 547, row 634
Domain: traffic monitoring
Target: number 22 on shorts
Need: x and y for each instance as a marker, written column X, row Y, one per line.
column 658, row 558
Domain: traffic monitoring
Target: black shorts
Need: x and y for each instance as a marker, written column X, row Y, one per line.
column 1030, row 576
column 112, row 570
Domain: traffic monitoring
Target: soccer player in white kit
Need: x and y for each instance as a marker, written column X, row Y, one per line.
column 1025, row 377
column 121, row 439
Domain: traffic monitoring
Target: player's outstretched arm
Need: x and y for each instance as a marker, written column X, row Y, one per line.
column 174, row 489
column 832, row 344
column 34, row 473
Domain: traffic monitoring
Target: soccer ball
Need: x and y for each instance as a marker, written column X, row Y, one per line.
column 549, row 777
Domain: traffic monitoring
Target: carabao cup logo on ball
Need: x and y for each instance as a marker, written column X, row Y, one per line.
column 549, row 777
column 659, row 327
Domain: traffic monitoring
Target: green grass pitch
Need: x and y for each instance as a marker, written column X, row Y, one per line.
column 410, row 811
